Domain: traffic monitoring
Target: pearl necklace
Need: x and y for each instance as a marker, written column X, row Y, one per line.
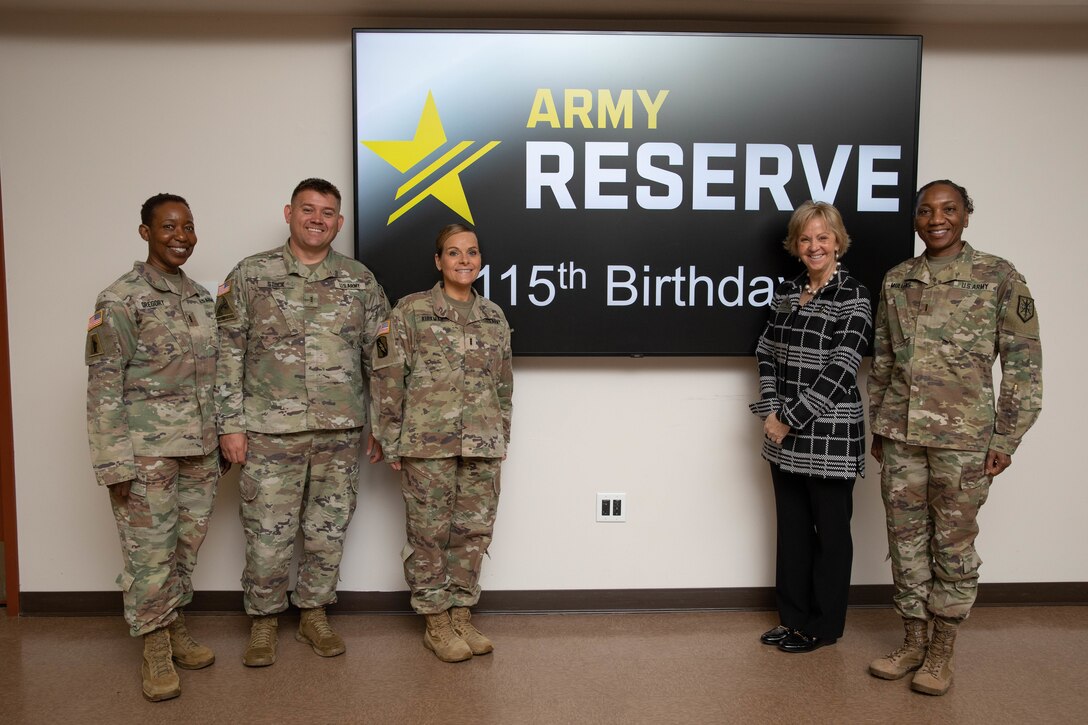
column 808, row 285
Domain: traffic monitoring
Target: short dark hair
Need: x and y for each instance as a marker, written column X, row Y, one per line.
column 147, row 211
column 448, row 231
column 319, row 185
column 968, row 204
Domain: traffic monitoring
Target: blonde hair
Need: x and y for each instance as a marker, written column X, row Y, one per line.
column 448, row 231
column 806, row 213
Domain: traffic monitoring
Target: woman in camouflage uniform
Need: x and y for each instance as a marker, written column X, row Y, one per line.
column 443, row 383
column 151, row 352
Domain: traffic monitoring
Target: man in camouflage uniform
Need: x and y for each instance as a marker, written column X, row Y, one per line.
column 443, row 385
column 296, row 327
column 942, row 319
column 151, row 349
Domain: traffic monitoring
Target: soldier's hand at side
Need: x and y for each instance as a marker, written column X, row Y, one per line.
column 996, row 462
column 876, row 450
column 234, row 447
column 395, row 465
column 120, row 490
column 373, row 449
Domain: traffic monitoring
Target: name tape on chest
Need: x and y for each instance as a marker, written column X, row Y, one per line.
column 970, row 286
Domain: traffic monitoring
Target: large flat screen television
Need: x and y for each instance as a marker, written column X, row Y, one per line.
column 630, row 191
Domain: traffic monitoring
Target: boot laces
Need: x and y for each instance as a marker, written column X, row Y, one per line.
column 320, row 624
column 261, row 636
column 181, row 634
column 443, row 631
column 936, row 656
column 160, row 656
column 462, row 623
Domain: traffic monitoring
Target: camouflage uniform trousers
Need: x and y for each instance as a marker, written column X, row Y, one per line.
column 450, row 506
column 305, row 480
column 932, row 497
column 162, row 523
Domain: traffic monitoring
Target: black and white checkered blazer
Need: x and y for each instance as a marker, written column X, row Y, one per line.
column 808, row 364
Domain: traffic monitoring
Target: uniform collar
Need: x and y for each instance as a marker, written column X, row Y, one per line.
column 329, row 267
column 162, row 283
column 442, row 308
column 960, row 268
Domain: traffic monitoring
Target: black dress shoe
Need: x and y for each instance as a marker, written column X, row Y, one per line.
column 775, row 636
column 801, row 642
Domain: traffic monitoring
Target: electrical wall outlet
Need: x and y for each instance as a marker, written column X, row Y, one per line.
column 612, row 507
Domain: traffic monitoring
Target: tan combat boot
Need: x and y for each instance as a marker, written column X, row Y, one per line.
column 160, row 679
column 935, row 677
column 461, row 618
column 910, row 654
column 314, row 630
column 443, row 641
column 263, row 632
column 188, row 654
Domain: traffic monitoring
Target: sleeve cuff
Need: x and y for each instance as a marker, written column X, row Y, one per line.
column 1003, row 443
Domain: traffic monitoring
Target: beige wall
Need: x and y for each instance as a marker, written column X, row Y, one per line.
column 96, row 114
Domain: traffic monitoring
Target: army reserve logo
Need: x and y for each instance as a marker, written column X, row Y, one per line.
column 405, row 155
column 1025, row 308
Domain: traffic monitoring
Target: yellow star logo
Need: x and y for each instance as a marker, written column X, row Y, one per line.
column 405, row 155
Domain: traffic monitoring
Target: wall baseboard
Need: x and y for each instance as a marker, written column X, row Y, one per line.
column 50, row 604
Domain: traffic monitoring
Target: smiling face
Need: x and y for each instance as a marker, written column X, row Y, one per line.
column 315, row 220
column 940, row 219
column 817, row 246
column 459, row 264
column 170, row 236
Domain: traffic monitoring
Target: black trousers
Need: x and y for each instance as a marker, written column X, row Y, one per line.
column 815, row 551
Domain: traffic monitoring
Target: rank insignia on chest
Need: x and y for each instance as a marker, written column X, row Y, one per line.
column 1025, row 308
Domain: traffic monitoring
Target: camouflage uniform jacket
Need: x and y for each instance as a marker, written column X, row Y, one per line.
column 150, row 353
column 443, row 385
column 937, row 336
column 294, row 343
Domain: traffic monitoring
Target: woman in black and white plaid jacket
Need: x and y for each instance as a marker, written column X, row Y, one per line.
column 814, row 427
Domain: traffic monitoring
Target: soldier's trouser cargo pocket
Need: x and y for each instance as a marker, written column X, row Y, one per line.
column 162, row 524
column 931, row 499
column 450, row 506
column 296, row 481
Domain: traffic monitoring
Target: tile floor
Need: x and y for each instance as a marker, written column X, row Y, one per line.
column 1014, row 665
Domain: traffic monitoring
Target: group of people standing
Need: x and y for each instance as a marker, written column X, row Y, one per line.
column 269, row 375
column 940, row 434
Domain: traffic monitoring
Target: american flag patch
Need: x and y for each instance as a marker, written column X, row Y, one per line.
column 223, row 289
column 383, row 329
column 96, row 319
